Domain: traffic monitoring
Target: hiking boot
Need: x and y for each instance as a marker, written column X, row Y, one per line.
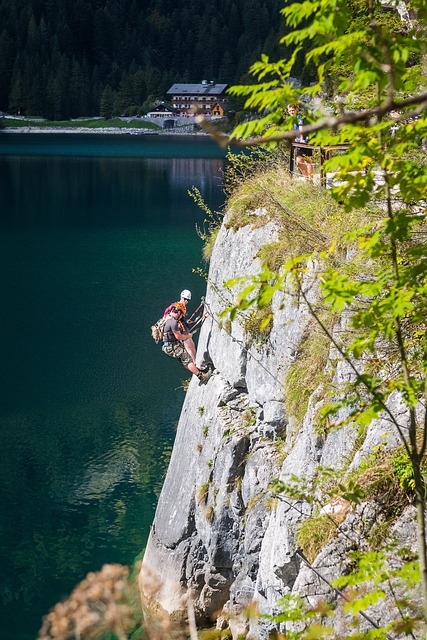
column 205, row 375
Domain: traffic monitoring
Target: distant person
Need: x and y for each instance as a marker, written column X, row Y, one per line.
column 174, row 338
column 185, row 298
column 304, row 156
column 396, row 125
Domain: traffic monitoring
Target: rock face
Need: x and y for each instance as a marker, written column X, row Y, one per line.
column 219, row 533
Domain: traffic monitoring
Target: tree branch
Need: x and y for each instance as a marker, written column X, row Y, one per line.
column 331, row 122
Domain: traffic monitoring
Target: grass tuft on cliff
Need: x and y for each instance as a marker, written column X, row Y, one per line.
column 309, row 369
column 260, row 189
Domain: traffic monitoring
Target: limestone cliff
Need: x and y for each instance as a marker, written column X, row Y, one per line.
column 217, row 532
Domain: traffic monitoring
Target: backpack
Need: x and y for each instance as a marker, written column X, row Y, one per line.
column 158, row 328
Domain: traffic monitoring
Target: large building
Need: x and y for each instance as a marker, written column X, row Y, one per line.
column 186, row 97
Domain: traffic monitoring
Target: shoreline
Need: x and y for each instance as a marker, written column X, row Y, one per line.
column 101, row 130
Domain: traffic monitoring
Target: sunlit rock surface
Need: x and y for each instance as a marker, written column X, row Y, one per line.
column 219, row 532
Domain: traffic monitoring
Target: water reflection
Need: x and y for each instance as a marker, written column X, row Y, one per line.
column 91, row 192
column 81, row 486
column 89, row 402
column 109, row 145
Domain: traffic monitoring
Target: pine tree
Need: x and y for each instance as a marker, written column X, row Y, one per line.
column 156, row 42
column 6, row 67
column 107, row 103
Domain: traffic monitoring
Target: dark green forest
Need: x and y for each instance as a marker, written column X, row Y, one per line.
column 63, row 59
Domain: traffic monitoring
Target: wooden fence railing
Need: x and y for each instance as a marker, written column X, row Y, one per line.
column 320, row 155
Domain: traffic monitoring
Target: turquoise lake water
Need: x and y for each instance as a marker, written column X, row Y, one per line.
column 97, row 236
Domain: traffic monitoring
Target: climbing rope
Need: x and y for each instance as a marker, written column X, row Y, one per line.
column 243, row 347
column 197, row 320
column 302, row 557
column 198, row 323
column 190, row 319
column 338, row 591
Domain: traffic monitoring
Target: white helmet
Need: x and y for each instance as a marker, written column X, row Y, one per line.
column 186, row 294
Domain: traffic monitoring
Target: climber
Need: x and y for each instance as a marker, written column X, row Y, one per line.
column 189, row 343
column 185, row 297
column 174, row 338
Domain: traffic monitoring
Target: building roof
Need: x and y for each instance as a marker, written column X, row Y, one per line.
column 221, row 103
column 163, row 107
column 202, row 88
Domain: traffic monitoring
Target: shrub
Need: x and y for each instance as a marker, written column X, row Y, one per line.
column 308, row 370
column 202, row 493
column 314, row 533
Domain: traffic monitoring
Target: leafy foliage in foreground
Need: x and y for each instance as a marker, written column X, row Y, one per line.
column 383, row 170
